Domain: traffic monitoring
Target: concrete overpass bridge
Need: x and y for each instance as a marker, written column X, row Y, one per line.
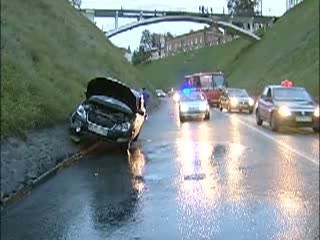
column 241, row 25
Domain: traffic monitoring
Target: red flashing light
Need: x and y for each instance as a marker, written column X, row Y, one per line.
column 287, row 83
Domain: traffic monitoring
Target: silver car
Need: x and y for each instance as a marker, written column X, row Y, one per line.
column 193, row 105
column 160, row 93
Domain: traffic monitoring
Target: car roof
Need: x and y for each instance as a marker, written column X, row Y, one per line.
column 280, row 86
column 236, row 89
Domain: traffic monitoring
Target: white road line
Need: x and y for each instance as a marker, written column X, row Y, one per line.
column 282, row 144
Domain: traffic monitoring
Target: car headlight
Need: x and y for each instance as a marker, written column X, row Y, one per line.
column 316, row 112
column 251, row 102
column 176, row 97
column 233, row 101
column 203, row 106
column 123, row 127
column 184, row 108
column 284, row 111
column 81, row 111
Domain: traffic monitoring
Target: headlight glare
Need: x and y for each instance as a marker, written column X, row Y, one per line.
column 251, row 102
column 81, row 111
column 184, row 107
column 233, row 101
column 316, row 112
column 203, row 106
column 284, row 111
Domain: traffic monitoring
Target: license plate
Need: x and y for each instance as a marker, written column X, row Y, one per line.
column 303, row 119
column 98, row 129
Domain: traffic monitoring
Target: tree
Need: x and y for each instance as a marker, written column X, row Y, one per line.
column 146, row 40
column 242, row 7
column 129, row 49
column 140, row 56
column 169, row 35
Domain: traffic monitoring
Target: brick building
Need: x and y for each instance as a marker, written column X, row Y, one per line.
column 196, row 39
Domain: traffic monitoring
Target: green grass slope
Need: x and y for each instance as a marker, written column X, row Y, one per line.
column 290, row 49
column 49, row 52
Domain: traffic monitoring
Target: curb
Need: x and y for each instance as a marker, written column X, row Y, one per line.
column 26, row 190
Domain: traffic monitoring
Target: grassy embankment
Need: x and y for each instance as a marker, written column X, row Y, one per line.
column 290, row 49
column 49, row 52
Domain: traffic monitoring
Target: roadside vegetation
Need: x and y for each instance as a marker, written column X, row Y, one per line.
column 49, row 51
column 289, row 50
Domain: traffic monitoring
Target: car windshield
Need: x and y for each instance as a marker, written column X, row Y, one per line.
column 237, row 93
column 206, row 82
column 192, row 97
column 218, row 81
column 293, row 94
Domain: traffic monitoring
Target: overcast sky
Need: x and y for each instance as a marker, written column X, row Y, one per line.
column 132, row 37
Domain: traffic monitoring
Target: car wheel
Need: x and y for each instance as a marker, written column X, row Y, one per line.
column 316, row 129
column 229, row 108
column 123, row 147
column 250, row 111
column 207, row 116
column 221, row 108
column 273, row 123
column 182, row 119
column 258, row 118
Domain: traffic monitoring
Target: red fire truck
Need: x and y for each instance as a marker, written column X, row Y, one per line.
column 211, row 84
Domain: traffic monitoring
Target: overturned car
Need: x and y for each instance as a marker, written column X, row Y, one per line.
column 112, row 112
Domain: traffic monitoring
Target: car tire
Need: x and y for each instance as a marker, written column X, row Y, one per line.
column 250, row 111
column 258, row 118
column 273, row 123
column 207, row 117
column 221, row 108
column 316, row 129
column 229, row 108
column 182, row 119
column 123, row 147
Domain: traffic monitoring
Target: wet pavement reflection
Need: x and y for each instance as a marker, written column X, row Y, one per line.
column 196, row 180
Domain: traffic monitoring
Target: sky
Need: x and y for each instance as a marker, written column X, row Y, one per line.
column 132, row 38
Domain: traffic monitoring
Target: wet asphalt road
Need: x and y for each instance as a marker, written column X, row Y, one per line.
column 221, row 179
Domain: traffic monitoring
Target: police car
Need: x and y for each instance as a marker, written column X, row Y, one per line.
column 287, row 105
column 193, row 104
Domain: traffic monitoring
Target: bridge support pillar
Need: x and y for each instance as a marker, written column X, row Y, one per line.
column 251, row 27
column 116, row 19
column 245, row 26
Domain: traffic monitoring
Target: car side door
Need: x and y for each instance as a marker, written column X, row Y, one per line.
column 264, row 103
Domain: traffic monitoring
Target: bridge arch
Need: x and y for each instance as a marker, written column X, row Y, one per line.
column 185, row 18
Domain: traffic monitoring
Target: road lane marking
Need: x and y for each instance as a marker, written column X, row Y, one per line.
column 301, row 154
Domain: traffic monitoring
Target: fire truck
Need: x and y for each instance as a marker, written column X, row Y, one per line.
column 212, row 84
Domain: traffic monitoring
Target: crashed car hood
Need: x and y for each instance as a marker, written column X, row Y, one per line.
column 112, row 88
column 110, row 103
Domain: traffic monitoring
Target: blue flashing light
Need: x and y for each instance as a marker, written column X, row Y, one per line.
column 186, row 91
